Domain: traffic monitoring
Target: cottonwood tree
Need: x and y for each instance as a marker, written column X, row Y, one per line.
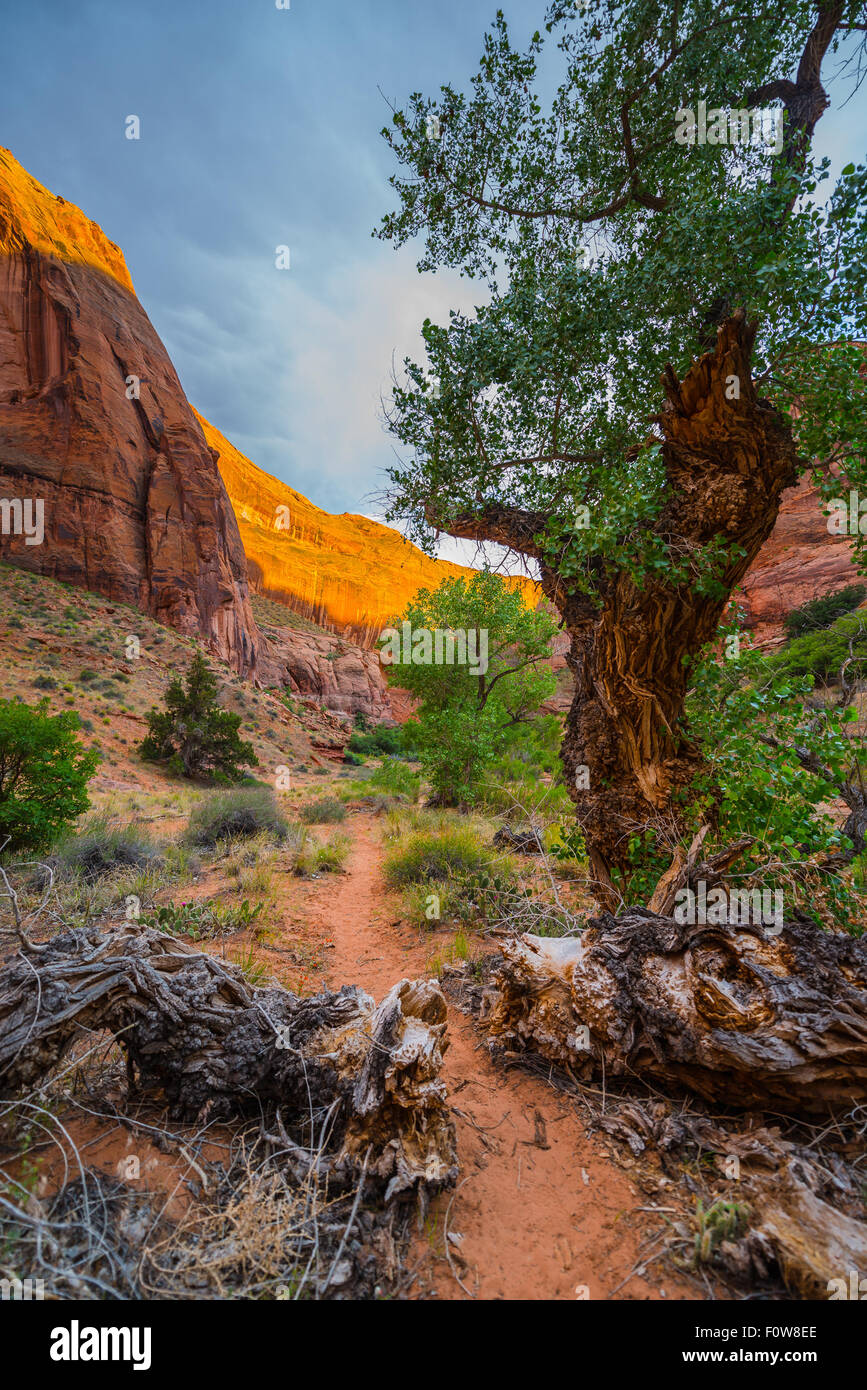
column 665, row 343
column 470, row 700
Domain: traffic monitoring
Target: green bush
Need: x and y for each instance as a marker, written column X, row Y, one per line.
column 822, row 653
column 241, row 811
column 394, row 776
column 101, row 846
column 324, row 811
column 380, row 740
column 44, row 772
column 426, row 856
column 193, row 734
column 821, row 612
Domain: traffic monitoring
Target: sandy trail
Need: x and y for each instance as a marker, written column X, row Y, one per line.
column 541, row 1211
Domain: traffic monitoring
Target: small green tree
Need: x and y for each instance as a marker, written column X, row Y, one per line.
column 44, row 772
column 467, row 706
column 194, row 734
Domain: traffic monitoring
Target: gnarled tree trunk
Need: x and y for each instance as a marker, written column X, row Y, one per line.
column 727, row 462
column 728, row 458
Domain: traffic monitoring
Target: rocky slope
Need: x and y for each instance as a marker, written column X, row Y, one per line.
column 95, row 427
column 323, row 670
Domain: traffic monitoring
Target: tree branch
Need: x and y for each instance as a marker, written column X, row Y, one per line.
column 508, row 526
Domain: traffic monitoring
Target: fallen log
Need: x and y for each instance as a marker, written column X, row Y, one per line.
column 740, row 1015
column 217, row 1047
column 520, row 842
column 745, row 1018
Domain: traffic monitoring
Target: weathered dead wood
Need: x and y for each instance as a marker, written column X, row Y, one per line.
column 684, row 871
column 520, row 842
column 745, row 1018
column 193, row 1027
column 794, row 1198
column 738, row 1014
column 813, row 1244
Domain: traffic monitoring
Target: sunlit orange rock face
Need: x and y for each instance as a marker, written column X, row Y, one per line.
column 134, row 506
column 345, row 572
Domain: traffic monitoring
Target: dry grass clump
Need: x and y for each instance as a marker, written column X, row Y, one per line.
column 263, row 1223
column 259, row 1239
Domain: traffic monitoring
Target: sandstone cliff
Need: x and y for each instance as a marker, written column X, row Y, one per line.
column 347, row 573
column 799, row 561
column 134, row 506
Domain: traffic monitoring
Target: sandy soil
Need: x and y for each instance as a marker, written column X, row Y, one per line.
column 541, row 1211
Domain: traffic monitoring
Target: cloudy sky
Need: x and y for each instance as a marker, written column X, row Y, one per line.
column 259, row 128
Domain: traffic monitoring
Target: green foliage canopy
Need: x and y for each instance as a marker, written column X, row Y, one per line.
column 546, row 391
column 44, row 771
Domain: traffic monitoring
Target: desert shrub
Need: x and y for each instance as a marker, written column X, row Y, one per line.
column 201, row 921
column 424, row 856
column 394, row 776
column 44, row 772
column 821, row 612
column 326, row 810
column 430, row 904
column 194, row 734
column 244, row 853
column 353, row 759
column 470, row 897
column 256, row 879
column 323, row 859
column 101, row 846
column 239, row 811
column 45, row 683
